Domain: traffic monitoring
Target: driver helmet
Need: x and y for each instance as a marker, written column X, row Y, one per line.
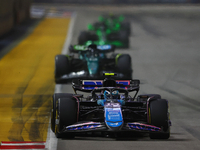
column 115, row 94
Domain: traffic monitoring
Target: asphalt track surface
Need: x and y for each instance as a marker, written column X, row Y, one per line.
column 165, row 56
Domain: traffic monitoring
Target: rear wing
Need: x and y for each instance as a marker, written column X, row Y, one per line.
column 89, row 85
column 99, row 48
column 92, row 86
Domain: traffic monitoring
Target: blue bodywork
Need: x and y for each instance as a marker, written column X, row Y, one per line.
column 109, row 108
column 113, row 115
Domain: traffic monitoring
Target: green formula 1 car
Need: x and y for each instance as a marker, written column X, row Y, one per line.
column 108, row 30
column 91, row 62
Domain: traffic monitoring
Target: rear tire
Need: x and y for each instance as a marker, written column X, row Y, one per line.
column 62, row 66
column 86, row 36
column 83, row 37
column 127, row 27
column 56, row 96
column 159, row 117
column 124, row 65
column 124, row 38
column 66, row 115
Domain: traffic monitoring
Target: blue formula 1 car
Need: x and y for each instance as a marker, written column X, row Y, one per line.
column 110, row 108
column 90, row 62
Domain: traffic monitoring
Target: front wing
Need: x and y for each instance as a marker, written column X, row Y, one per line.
column 117, row 43
column 100, row 126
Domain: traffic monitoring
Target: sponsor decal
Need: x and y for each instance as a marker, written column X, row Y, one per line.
column 80, row 47
column 114, row 124
column 109, row 74
column 84, row 126
column 100, row 82
column 113, row 115
column 104, row 47
column 90, row 82
column 140, row 126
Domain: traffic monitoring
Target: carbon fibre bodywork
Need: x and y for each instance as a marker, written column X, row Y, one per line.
column 90, row 62
column 116, row 114
column 110, row 29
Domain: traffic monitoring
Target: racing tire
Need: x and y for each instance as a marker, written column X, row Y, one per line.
column 124, row 38
column 143, row 98
column 127, row 27
column 66, row 114
column 86, row 36
column 158, row 116
column 62, row 66
column 93, row 37
column 83, row 37
column 55, row 98
column 124, row 65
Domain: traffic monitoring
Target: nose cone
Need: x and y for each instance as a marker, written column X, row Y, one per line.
column 113, row 118
column 93, row 66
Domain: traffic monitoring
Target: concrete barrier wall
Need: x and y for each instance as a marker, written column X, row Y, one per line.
column 22, row 10
column 6, row 16
column 13, row 12
column 116, row 1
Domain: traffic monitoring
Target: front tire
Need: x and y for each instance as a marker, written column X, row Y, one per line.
column 143, row 98
column 56, row 96
column 159, row 116
column 66, row 114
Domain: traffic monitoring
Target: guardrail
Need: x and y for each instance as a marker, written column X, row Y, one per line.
column 13, row 12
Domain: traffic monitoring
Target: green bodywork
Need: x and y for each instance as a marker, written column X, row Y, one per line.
column 109, row 26
column 112, row 23
column 90, row 58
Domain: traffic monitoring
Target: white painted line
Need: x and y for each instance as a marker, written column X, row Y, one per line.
column 69, row 34
column 23, row 149
column 52, row 141
column 58, row 88
column 20, row 144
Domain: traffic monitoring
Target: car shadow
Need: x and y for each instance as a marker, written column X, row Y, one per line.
column 128, row 136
